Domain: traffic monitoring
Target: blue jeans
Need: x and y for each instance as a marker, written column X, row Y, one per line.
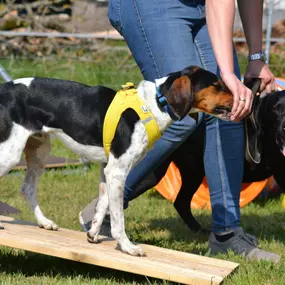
column 165, row 36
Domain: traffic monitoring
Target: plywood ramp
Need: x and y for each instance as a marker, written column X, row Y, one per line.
column 160, row 263
column 52, row 162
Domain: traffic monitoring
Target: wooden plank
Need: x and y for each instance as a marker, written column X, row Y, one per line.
column 159, row 263
column 52, row 162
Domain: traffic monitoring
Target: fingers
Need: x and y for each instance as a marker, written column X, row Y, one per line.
column 270, row 87
column 242, row 97
column 235, row 103
column 262, row 86
column 244, row 100
column 248, row 103
column 259, row 69
column 274, row 86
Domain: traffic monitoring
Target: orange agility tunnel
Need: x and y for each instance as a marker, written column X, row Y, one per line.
column 170, row 185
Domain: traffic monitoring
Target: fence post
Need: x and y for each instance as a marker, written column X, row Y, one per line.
column 269, row 30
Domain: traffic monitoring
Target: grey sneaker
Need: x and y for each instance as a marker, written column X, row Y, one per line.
column 86, row 216
column 243, row 244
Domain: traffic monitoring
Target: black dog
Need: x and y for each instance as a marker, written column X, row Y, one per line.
column 269, row 114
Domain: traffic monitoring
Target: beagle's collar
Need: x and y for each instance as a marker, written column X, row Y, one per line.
column 162, row 101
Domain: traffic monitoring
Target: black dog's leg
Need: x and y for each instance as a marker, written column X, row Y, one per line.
column 192, row 174
column 189, row 159
column 183, row 200
column 190, row 164
column 276, row 162
column 278, row 174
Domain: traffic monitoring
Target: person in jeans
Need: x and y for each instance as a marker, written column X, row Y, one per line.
column 165, row 36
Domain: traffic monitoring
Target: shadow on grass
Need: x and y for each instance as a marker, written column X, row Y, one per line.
column 266, row 226
column 179, row 231
column 269, row 227
column 36, row 265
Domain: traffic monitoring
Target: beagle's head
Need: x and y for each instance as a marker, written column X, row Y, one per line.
column 197, row 90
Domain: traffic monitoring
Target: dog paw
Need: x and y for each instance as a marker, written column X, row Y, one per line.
column 49, row 225
column 1, row 227
column 91, row 237
column 133, row 250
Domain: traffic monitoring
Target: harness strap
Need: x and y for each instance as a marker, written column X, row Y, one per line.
column 128, row 98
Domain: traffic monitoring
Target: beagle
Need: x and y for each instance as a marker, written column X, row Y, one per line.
column 34, row 108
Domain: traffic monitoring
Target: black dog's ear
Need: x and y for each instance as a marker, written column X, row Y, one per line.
column 179, row 96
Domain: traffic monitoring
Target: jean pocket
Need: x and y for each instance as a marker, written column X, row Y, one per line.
column 114, row 14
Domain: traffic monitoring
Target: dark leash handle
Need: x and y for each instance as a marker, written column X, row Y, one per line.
column 254, row 85
column 252, row 143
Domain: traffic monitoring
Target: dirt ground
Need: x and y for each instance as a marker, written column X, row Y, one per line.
column 89, row 17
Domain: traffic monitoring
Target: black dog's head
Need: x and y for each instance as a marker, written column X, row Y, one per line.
column 273, row 117
column 195, row 89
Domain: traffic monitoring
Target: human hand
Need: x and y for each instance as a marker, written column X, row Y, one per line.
column 259, row 69
column 242, row 96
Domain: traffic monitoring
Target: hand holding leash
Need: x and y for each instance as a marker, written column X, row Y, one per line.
column 259, row 69
column 254, row 85
column 242, row 97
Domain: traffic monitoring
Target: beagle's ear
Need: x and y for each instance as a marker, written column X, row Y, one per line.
column 179, row 96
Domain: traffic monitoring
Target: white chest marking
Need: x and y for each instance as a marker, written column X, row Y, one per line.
column 25, row 81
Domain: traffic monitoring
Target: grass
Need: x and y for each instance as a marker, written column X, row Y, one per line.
column 149, row 219
column 112, row 69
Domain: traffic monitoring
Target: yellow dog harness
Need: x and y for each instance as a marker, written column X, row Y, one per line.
column 128, row 98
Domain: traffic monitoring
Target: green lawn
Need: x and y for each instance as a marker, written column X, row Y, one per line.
column 149, row 219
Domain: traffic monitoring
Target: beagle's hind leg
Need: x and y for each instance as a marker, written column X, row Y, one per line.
column 101, row 208
column 36, row 151
column 11, row 149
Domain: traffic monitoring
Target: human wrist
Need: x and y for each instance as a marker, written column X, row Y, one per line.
column 256, row 62
column 257, row 56
column 227, row 73
column 254, row 49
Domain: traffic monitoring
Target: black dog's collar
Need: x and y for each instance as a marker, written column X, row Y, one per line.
column 164, row 105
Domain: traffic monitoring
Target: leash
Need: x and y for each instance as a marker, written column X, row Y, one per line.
column 252, row 144
column 127, row 98
column 254, row 85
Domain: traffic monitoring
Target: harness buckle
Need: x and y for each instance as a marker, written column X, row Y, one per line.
column 128, row 86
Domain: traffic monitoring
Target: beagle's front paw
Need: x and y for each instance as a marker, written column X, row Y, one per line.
column 132, row 249
column 48, row 225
